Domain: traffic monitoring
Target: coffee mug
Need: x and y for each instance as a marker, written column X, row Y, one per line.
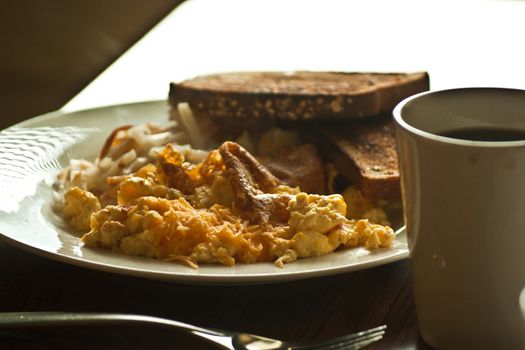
column 462, row 165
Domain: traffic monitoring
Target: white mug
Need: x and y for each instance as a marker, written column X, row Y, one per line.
column 464, row 205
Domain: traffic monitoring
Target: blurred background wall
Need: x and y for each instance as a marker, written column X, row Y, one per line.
column 51, row 49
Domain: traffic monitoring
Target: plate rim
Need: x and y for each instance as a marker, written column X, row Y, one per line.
column 208, row 279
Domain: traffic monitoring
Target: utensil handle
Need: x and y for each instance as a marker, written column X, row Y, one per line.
column 53, row 319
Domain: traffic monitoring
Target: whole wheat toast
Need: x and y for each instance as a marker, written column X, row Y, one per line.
column 364, row 152
column 296, row 95
column 347, row 115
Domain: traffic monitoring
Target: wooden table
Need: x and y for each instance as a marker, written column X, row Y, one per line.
column 311, row 309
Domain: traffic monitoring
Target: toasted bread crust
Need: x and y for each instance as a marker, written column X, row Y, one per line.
column 296, row 96
column 365, row 153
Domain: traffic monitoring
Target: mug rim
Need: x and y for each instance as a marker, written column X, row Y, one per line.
column 400, row 121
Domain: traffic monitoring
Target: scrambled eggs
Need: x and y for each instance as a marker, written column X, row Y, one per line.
column 227, row 209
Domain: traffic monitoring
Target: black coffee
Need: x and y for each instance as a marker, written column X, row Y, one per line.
column 485, row 134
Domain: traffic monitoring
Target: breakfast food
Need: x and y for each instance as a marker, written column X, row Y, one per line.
column 235, row 178
column 226, row 209
column 343, row 117
column 296, row 95
column 364, row 153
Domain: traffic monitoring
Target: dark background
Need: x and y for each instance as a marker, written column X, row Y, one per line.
column 50, row 50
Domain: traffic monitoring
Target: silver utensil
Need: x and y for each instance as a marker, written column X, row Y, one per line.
column 229, row 340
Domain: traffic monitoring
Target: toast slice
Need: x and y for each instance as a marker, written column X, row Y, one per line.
column 300, row 167
column 364, row 152
column 296, row 95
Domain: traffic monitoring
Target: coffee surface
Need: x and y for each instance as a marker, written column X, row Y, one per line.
column 486, row 134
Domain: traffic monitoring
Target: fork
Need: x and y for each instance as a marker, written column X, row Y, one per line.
column 228, row 340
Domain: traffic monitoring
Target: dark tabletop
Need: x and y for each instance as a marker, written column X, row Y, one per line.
column 311, row 309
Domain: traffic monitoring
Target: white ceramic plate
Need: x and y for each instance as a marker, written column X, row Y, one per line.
column 31, row 154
